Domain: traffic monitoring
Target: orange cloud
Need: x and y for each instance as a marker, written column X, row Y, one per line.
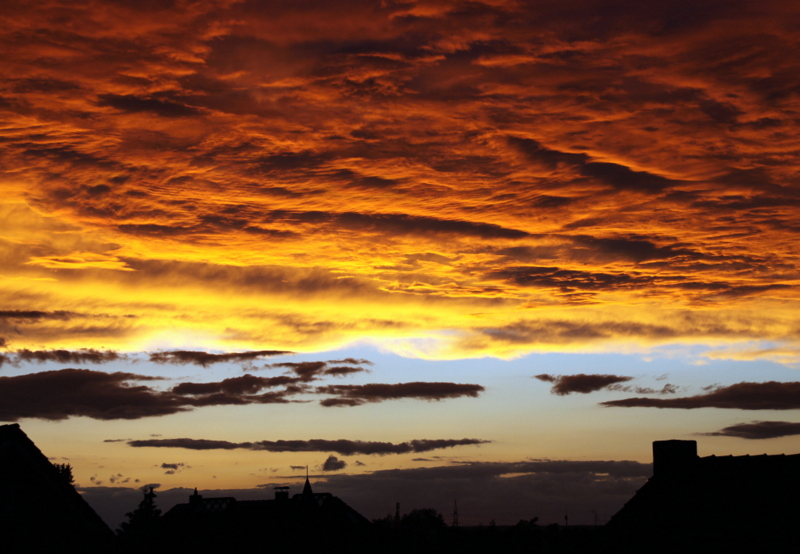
column 423, row 175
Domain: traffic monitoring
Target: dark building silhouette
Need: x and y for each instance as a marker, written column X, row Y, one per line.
column 40, row 511
column 305, row 522
column 711, row 504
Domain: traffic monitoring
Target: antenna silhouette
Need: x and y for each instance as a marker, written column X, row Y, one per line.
column 455, row 514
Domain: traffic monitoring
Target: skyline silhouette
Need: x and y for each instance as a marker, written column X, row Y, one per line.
column 691, row 503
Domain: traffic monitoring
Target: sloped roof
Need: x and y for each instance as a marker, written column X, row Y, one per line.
column 37, row 505
column 306, row 506
column 306, row 522
column 714, row 503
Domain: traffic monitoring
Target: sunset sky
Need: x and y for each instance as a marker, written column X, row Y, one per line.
column 433, row 250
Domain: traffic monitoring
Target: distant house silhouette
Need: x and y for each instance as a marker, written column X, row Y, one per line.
column 40, row 511
column 306, row 522
column 711, row 504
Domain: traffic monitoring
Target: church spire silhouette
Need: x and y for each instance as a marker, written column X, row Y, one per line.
column 307, row 492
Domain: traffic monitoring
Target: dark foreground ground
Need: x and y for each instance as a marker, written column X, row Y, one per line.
column 383, row 538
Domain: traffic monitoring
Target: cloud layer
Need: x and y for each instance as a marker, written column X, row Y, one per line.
column 342, row 446
column 581, row 382
column 770, row 395
column 756, row 430
column 204, row 358
column 355, row 395
column 60, row 394
column 82, row 356
column 479, row 157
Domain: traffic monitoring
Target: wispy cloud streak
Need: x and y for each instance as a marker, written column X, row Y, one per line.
column 342, row 446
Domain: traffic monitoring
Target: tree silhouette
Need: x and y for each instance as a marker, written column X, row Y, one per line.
column 144, row 523
column 423, row 530
column 65, row 470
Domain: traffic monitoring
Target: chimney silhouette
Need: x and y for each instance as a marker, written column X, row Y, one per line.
column 282, row 493
column 673, row 457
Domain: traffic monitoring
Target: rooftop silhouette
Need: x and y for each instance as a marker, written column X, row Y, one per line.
column 40, row 510
column 711, row 504
column 309, row 521
column 691, row 504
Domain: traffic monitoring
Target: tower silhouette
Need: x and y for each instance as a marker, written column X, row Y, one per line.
column 455, row 513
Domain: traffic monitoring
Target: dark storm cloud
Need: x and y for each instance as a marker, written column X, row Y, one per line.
column 647, row 252
column 305, row 370
column 615, row 175
column 98, row 190
column 216, row 224
column 342, row 370
column 342, row 446
column 57, row 395
column 310, row 371
column 233, row 399
column 634, row 249
column 666, row 389
column 777, row 198
column 204, row 358
column 33, row 314
column 172, row 468
column 33, row 84
column 349, row 447
column 154, row 230
column 274, row 233
column 191, row 444
column 85, row 355
column 758, row 430
column 286, row 161
column 136, row 104
column 246, row 384
column 68, row 156
column 554, row 277
column 351, row 361
column 355, row 395
column 625, row 179
column 332, row 463
column 550, row 158
column 582, row 383
column 354, row 180
column 721, row 112
column 770, row 395
column 398, row 224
